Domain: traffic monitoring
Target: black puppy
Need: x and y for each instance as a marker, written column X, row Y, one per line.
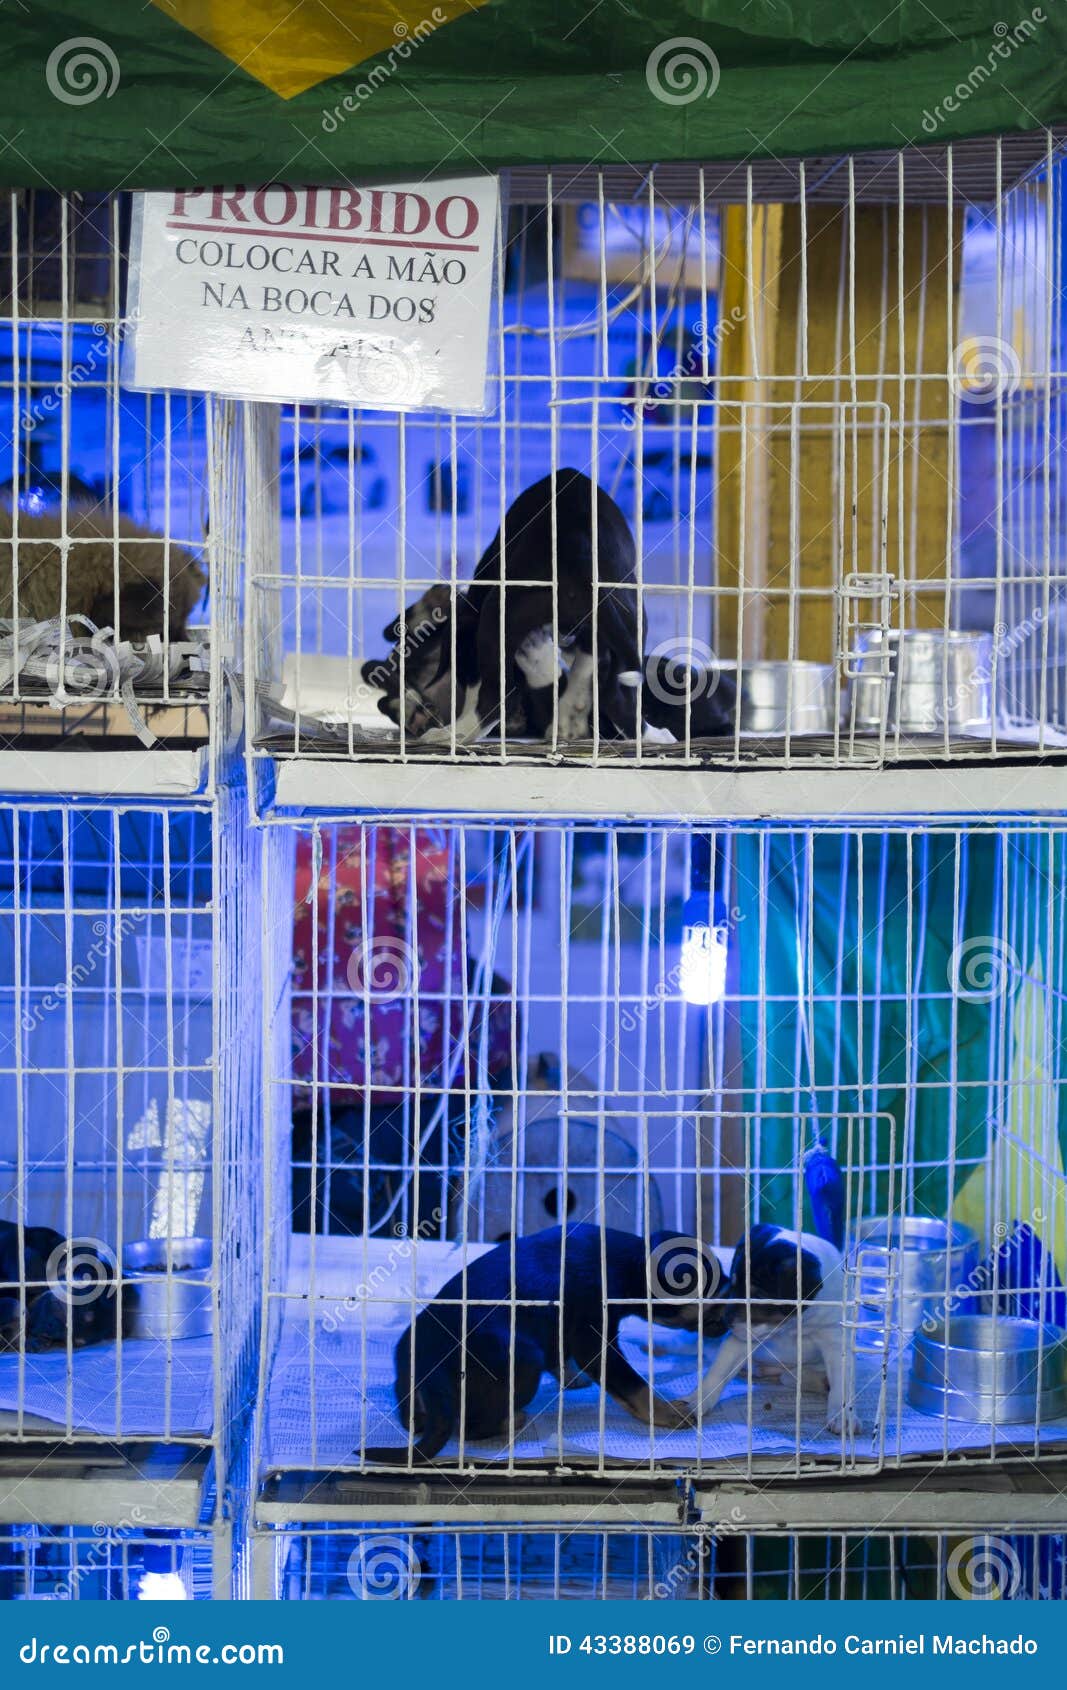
column 421, row 658
column 47, row 1265
column 671, row 690
column 548, row 531
column 552, row 520
column 560, row 1311
column 436, row 638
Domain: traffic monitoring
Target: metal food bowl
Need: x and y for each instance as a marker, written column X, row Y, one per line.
column 922, row 680
column 170, row 1293
column 913, row 1263
column 779, row 697
column 990, row 1368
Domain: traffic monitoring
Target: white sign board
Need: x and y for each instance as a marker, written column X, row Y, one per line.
column 372, row 296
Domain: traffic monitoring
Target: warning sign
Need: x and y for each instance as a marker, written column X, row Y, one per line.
column 370, row 296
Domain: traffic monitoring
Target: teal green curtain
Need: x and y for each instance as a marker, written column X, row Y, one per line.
column 880, row 974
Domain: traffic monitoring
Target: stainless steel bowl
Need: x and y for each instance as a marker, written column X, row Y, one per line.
column 990, row 1368
column 171, row 1295
column 782, row 696
column 933, row 677
column 907, row 1264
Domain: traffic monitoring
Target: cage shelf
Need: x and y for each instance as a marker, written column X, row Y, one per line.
column 86, row 1485
column 312, row 787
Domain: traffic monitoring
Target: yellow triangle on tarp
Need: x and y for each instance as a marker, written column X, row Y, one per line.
column 290, row 45
column 1024, row 1182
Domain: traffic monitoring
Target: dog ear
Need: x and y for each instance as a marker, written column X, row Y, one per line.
column 769, row 1270
column 682, row 1267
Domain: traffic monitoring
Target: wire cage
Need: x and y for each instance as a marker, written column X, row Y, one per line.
column 486, row 1562
column 42, row 1563
column 476, row 1034
column 819, row 400
column 114, row 506
column 128, row 1083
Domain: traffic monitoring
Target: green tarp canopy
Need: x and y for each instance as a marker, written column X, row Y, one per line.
column 153, row 93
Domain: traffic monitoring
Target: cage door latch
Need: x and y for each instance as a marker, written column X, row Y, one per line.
column 867, row 600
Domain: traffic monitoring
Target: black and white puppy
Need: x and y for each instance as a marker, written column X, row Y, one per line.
column 784, row 1302
column 581, row 1288
column 673, row 691
column 515, row 651
column 43, row 1269
column 433, row 640
column 433, row 663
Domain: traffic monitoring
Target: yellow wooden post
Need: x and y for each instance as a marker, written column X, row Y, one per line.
column 800, row 500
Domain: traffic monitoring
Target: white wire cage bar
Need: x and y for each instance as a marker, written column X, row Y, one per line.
column 120, row 513
column 474, row 1034
column 59, row 1563
column 483, row 1562
column 828, row 422
column 129, row 1076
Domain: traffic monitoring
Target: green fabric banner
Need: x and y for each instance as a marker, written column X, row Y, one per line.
column 180, row 92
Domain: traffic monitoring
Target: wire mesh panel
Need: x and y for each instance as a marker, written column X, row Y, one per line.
column 106, row 497
column 493, row 1563
column 796, row 1093
column 768, row 474
column 104, row 1564
column 128, row 1122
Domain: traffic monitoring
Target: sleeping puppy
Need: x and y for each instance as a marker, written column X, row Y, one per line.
column 44, row 1264
column 776, row 1276
column 513, row 1332
column 422, row 645
column 522, row 675
column 422, row 656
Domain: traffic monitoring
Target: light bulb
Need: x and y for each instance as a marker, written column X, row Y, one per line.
column 702, row 965
column 162, row 1587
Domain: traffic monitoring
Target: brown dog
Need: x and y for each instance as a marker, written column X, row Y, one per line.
column 149, row 572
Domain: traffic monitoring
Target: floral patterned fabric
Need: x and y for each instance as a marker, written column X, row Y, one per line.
column 377, row 935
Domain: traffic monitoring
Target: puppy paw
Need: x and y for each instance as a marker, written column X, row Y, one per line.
column 573, row 721
column 539, row 659
column 673, row 1415
column 845, row 1420
column 657, row 736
